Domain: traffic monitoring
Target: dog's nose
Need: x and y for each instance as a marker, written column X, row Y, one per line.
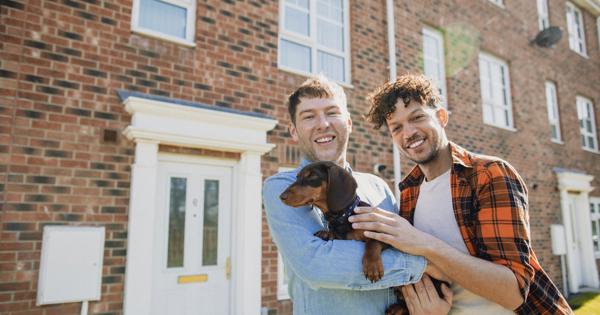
column 284, row 195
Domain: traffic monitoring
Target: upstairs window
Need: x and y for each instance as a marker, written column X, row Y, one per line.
column 495, row 91
column 172, row 20
column 587, row 124
column 543, row 16
column 314, row 38
column 576, row 30
column 595, row 217
column 433, row 60
column 552, row 106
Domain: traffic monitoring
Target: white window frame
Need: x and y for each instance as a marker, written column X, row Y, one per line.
column 552, row 107
column 311, row 41
column 485, row 57
column 582, row 104
column 441, row 80
column 282, row 285
column 576, row 29
column 190, row 29
column 543, row 14
column 598, row 30
column 595, row 218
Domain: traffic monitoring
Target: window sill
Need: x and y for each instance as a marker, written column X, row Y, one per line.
column 590, row 150
column 307, row 74
column 557, row 141
column 168, row 38
column 501, row 127
column 584, row 55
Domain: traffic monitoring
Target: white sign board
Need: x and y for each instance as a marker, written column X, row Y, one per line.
column 71, row 264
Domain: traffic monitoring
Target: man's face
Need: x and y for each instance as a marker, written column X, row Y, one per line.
column 322, row 129
column 418, row 130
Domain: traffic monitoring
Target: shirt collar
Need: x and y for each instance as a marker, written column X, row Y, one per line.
column 460, row 159
column 306, row 161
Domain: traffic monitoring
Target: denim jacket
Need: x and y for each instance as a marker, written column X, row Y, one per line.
column 326, row 277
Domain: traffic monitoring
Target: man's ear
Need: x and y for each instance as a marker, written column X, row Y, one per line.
column 349, row 123
column 293, row 131
column 442, row 116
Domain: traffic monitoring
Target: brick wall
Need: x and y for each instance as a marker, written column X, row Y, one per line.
column 61, row 63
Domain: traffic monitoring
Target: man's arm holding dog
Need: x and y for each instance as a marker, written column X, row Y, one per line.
column 328, row 264
column 503, row 230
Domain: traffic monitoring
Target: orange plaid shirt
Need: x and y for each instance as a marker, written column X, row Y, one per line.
column 491, row 208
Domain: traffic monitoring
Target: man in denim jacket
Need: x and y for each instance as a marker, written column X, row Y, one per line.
column 326, row 277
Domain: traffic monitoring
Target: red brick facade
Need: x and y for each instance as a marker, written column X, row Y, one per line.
column 61, row 63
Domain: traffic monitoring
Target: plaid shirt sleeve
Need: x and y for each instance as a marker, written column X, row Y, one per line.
column 502, row 223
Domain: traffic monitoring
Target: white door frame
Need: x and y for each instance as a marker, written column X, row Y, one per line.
column 157, row 122
column 579, row 185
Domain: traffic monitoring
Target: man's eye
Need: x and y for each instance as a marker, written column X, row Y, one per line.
column 418, row 117
column 333, row 113
column 308, row 117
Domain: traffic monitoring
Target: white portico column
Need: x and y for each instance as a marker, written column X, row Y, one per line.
column 247, row 236
column 138, row 277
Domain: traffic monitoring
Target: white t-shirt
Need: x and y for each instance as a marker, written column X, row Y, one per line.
column 434, row 215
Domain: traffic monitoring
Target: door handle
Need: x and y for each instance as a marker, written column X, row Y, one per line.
column 228, row 268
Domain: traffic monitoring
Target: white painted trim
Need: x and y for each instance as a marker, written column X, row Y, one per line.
column 486, row 57
column 569, row 182
column 158, row 122
column 282, row 286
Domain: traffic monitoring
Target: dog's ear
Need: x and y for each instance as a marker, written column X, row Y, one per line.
column 341, row 187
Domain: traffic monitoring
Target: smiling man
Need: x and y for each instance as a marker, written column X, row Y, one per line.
column 326, row 277
column 470, row 211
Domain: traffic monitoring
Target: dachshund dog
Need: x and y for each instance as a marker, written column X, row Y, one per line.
column 333, row 190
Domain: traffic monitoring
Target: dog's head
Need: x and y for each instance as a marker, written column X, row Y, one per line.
column 324, row 184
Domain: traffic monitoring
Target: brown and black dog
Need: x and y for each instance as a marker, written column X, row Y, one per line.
column 333, row 190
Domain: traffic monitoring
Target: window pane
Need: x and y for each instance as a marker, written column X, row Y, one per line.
column 554, row 132
column 177, row 198
column 163, row 17
column 591, row 143
column 211, row 223
column 330, row 35
column 295, row 56
column 332, row 66
column 296, row 21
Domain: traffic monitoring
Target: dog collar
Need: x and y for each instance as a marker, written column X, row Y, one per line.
column 348, row 211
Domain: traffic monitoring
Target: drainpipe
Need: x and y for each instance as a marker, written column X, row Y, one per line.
column 391, row 32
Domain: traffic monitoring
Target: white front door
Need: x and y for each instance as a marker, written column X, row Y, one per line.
column 192, row 263
column 575, row 275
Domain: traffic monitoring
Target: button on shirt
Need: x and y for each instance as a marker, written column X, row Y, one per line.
column 326, row 277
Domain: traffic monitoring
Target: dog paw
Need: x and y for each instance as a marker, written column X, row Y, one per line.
column 397, row 309
column 373, row 269
column 325, row 235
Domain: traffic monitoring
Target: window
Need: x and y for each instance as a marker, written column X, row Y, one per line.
column 553, row 117
column 433, row 60
column 495, row 91
column 598, row 31
column 543, row 18
column 282, row 280
column 575, row 26
column 172, row 20
column 314, row 38
column 595, row 217
column 587, row 124
column 498, row 2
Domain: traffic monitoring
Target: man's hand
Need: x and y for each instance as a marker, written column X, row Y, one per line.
column 392, row 229
column 422, row 298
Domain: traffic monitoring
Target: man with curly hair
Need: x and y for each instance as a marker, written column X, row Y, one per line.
column 469, row 212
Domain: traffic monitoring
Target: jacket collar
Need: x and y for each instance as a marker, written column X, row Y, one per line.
column 460, row 159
